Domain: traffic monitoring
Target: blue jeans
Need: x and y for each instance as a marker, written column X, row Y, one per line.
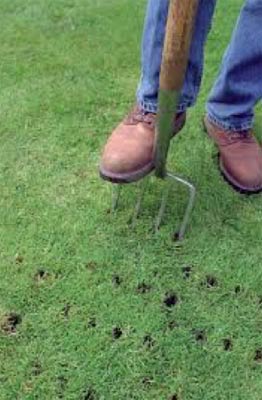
column 239, row 85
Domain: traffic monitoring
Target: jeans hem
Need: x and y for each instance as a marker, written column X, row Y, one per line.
column 231, row 126
column 152, row 107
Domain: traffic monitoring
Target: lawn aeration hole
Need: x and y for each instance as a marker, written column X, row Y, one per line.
column 175, row 237
column 91, row 323
column 148, row 342
column 258, row 356
column 172, row 325
column 237, row 289
column 66, row 310
column 143, row 288
column 91, row 266
column 147, row 381
column 19, row 259
column 41, row 275
column 228, row 345
column 210, row 282
column 117, row 333
column 62, row 383
column 89, row 395
column 170, row 300
column 200, row 335
column 186, row 271
column 36, row 368
column 116, row 280
column 10, row 322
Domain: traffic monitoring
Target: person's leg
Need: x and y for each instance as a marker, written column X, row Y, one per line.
column 128, row 154
column 230, row 107
column 152, row 47
column 239, row 84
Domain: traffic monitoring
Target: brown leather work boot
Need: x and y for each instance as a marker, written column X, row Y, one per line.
column 128, row 154
column 240, row 158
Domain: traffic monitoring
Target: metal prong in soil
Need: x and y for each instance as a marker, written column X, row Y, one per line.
column 190, row 204
column 116, row 192
column 142, row 185
column 162, row 208
column 179, row 235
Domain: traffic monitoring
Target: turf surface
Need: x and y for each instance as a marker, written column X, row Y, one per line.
column 90, row 309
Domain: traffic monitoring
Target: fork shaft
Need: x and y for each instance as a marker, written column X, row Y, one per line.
column 179, row 31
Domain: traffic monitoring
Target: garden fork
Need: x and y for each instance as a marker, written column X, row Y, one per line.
column 178, row 38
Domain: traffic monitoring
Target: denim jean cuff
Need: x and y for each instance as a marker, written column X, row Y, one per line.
column 152, row 106
column 147, row 106
column 232, row 126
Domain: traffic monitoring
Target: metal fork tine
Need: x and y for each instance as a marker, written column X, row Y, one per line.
column 162, row 208
column 190, row 205
column 142, row 185
column 116, row 192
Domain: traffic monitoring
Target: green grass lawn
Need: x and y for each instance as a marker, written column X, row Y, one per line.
column 90, row 309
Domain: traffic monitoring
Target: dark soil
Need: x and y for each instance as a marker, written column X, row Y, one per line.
column 10, row 323
column 171, row 299
column 117, row 333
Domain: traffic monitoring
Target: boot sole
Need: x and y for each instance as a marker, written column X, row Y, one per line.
column 135, row 176
column 227, row 177
column 129, row 177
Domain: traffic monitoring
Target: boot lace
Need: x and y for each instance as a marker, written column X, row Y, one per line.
column 138, row 115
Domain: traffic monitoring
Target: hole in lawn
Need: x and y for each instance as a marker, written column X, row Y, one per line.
column 62, row 382
column 147, row 381
column 237, row 289
column 170, row 300
column 228, row 345
column 117, row 333
column 10, row 322
column 258, row 356
column 19, row 259
column 260, row 301
column 143, row 288
column 172, row 325
column 174, row 397
column 41, row 275
column 91, row 323
column 200, row 335
column 210, row 282
column 175, row 237
column 89, row 395
column 187, row 272
column 116, row 280
column 66, row 310
column 156, row 273
column 91, row 266
column 148, row 341
column 36, row 368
